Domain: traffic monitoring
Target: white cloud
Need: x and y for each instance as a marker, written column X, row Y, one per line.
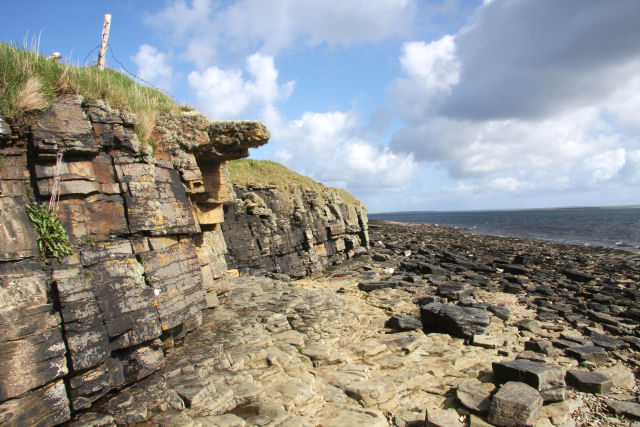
column 153, row 66
column 517, row 105
column 273, row 26
column 327, row 147
column 431, row 69
column 606, row 165
column 226, row 94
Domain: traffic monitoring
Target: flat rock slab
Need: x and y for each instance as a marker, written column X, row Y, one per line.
column 530, row 325
column 620, row 407
column 455, row 290
column 588, row 353
column 539, row 346
column 515, row 404
column 441, row 418
column 473, row 397
column 547, row 379
column 589, row 382
column 607, row 342
column 404, row 322
column 488, row 341
column 577, row 276
column 373, row 286
column 458, row 321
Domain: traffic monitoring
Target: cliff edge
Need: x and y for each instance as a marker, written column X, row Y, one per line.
column 146, row 237
column 284, row 223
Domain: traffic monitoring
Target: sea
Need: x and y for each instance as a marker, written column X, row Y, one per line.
column 617, row 227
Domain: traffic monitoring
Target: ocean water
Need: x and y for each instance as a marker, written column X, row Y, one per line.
column 613, row 227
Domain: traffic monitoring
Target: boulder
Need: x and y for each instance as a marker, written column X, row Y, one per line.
column 455, row 290
column 515, row 404
column 589, row 382
column 547, row 379
column 462, row 322
column 587, row 353
column 403, row 322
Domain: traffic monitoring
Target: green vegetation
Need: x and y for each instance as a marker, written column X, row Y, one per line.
column 29, row 82
column 266, row 172
column 53, row 239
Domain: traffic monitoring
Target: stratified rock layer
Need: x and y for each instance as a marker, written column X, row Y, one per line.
column 267, row 231
column 146, row 229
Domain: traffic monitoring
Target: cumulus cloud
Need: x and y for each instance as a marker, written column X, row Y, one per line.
column 430, row 69
column 226, row 94
column 271, row 26
column 529, row 96
column 153, row 66
column 327, row 147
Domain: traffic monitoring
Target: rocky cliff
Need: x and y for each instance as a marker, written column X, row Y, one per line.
column 293, row 229
column 148, row 246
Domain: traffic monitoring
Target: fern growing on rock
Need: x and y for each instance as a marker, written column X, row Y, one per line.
column 53, row 239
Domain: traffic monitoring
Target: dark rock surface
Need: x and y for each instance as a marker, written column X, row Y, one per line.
column 547, row 379
column 459, row 321
column 266, row 232
column 75, row 329
column 589, row 382
column 515, row 404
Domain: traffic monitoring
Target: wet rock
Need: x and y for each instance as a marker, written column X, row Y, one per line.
column 576, row 275
column 539, row 346
column 404, row 322
column 459, row 321
column 589, row 382
column 372, row 286
column 547, row 379
column 515, row 404
column 588, row 353
column 455, row 290
column 607, row 342
column 515, row 269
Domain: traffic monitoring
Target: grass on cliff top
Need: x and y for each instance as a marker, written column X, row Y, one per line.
column 29, row 82
column 266, row 172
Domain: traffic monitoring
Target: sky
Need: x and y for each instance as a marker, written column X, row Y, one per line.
column 409, row 105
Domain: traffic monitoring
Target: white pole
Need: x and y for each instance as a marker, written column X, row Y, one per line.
column 103, row 45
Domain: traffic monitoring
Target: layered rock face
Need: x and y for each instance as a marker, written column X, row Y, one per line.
column 148, row 245
column 295, row 232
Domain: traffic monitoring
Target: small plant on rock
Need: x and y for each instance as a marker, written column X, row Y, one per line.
column 53, row 239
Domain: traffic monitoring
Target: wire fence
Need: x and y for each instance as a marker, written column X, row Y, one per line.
column 125, row 70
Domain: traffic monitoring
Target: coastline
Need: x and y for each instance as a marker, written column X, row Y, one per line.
column 430, row 325
column 475, row 230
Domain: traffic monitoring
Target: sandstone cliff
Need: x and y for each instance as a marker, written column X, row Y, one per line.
column 148, row 246
column 290, row 228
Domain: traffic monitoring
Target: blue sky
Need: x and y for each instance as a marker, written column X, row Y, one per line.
column 409, row 105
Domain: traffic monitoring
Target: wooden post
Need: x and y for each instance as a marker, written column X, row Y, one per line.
column 103, row 45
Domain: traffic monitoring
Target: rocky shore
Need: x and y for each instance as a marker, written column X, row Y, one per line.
column 430, row 327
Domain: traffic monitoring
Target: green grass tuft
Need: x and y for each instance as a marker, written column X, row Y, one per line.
column 266, row 172
column 23, row 70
